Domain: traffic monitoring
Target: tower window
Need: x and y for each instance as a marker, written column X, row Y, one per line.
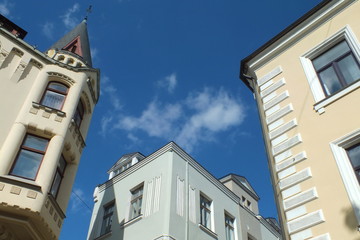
column 79, row 113
column 54, row 96
column 59, row 175
column 30, row 156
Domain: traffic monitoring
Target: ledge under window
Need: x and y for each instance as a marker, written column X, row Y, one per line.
column 48, row 109
column 21, row 182
column 208, row 231
column 131, row 221
column 319, row 106
column 56, row 205
column 105, row 235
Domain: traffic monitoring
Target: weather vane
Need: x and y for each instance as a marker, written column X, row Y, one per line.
column 88, row 11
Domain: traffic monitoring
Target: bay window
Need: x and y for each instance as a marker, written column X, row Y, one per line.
column 29, row 157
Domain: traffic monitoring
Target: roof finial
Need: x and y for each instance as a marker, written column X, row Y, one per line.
column 88, row 11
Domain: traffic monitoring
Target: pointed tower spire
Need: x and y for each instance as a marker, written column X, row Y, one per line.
column 76, row 42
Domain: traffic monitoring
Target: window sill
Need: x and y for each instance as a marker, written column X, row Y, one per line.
column 105, row 235
column 56, row 205
column 21, row 182
column 131, row 221
column 208, row 231
column 49, row 109
column 320, row 106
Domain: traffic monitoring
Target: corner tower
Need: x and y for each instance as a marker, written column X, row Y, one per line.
column 47, row 101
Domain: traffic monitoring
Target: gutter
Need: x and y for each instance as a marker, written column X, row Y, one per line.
column 244, row 74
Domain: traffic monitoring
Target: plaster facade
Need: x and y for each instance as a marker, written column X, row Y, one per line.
column 174, row 185
column 28, row 210
column 307, row 131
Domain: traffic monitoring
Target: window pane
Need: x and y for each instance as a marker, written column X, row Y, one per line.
column 53, row 100
column 354, row 155
column 330, row 81
column 58, row 87
column 107, row 219
column 56, row 184
column 36, row 143
column 136, row 202
column 349, row 68
column 27, row 164
column 79, row 114
column 331, row 55
column 62, row 164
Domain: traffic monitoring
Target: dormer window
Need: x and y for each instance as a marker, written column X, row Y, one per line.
column 54, row 96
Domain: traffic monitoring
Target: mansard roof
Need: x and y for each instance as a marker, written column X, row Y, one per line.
column 76, row 42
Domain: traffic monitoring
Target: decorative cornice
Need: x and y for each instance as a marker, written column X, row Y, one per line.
column 62, row 77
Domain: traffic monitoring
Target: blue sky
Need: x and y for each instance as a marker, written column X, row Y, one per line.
column 169, row 71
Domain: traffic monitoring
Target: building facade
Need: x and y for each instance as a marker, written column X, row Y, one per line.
column 168, row 195
column 306, row 84
column 47, row 100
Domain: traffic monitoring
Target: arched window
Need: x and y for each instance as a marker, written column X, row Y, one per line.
column 79, row 113
column 55, row 95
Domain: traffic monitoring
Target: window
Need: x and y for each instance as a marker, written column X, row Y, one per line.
column 30, row 156
column 354, row 157
column 346, row 151
column 59, row 175
column 79, row 113
column 107, row 218
column 229, row 227
column 337, row 68
column 136, row 202
column 54, row 96
column 205, row 211
column 332, row 68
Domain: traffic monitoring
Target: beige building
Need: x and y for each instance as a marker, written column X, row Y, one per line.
column 46, row 103
column 306, row 84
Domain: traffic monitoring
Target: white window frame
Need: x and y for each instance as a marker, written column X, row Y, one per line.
column 211, row 227
column 136, row 200
column 306, row 60
column 351, row 183
column 226, row 213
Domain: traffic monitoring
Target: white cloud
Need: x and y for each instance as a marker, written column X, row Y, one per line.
column 104, row 124
column 77, row 201
column 133, row 138
column 169, row 82
column 5, row 8
column 48, row 30
column 109, row 90
column 94, row 53
column 198, row 118
column 213, row 112
column 68, row 18
column 157, row 120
